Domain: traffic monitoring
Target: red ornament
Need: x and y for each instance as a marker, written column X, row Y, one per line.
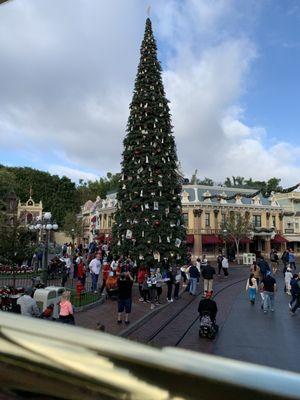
column 157, row 223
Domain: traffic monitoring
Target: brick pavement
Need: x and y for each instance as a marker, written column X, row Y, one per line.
column 106, row 313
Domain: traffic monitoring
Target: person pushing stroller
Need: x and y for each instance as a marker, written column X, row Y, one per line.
column 207, row 314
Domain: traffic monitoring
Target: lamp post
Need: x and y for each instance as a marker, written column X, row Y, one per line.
column 44, row 226
column 73, row 238
column 225, row 236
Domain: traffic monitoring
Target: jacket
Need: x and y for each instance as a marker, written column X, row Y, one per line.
column 194, row 272
column 208, row 272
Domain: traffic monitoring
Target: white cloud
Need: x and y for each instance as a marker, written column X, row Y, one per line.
column 73, row 173
column 67, row 75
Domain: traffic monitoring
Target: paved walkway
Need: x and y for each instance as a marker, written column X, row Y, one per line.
column 269, row 339
column 106, row 314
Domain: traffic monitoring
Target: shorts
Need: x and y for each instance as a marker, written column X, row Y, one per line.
column 124, row 304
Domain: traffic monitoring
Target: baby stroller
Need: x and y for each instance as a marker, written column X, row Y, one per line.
column 208, row 328
column 111, row 286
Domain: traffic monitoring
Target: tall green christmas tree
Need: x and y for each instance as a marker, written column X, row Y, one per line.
column 148, row 221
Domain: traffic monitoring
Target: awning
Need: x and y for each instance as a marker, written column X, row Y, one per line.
column 211, row 239
column 279, row 239
column 291, row 238
column 189, row 239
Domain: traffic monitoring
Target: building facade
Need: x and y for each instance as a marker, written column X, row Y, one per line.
column 204, row 210
column 290, row 202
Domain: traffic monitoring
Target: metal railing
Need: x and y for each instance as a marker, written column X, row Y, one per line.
column 47, row 359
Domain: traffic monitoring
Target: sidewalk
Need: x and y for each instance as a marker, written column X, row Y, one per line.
column 106, row 313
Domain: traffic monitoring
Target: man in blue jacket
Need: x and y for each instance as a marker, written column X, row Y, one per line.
column 194, row 277
column 292, row 259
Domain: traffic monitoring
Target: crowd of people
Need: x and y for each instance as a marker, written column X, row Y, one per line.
column 263, row 277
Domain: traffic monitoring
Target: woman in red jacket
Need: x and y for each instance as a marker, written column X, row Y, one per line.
column 105, row 275
column 140, row 278
column 81, row 272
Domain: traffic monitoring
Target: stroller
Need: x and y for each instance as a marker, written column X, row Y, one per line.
column 208, row 328
column 112, row 289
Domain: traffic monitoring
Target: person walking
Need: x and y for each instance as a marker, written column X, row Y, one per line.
column 140, row 278
column 295, row 290
column 28, row 305
column 66, row 314
column 292, row 259
column 159, row 281
column 145, row 289
column 297, row 302
column 208, row 273
column 198, row 264
column 263, row 266
column 251, row 288
column 177, row 280
column 151, row 281
column 95, row 268
column 194, row 278
column 268, row 285
column 219, row 263
column 125, row 283
column 168, row 277
column 285, row 258
column 255, row 270
column 274, row 260
column 225, row 266
column 204, row 261
column 81, row 272
column 287, row 278
column 105, row 274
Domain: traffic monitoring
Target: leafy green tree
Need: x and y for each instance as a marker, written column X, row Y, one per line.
column 72, row 225
column 16, row 242
column 235, row 228
column 148, row 218
column 7, row 185
column 206, row 182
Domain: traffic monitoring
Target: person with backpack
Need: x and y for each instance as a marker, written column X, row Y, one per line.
column 208, row 273
column 251, row 288
column 263, row 266
column 207, row 310
column 292, row 259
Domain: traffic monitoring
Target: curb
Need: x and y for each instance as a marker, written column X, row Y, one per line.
column 137, row 324
column 91, row 305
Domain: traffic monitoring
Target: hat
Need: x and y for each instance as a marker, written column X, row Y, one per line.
column 28, row 291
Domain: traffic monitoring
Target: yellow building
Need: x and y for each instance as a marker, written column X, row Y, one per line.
column 28, row 212
column 203, row 213
column 206, row 207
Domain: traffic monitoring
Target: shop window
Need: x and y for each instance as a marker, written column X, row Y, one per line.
column 186, row 219
column 207, row 219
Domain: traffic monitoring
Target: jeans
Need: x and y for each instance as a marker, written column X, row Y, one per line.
column 293, row 264
column 94, row 282
column 176, row 291
column 208, row 285
column 296, row 305
column 268, row 301
column 252, row 294
column 169, row 293
column 193, row 285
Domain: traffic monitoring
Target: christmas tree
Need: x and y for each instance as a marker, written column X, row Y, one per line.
column 148, row 221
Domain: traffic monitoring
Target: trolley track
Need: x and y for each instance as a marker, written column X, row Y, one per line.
column 150, row 338
column 197, row 318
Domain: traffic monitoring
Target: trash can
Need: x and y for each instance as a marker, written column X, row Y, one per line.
column 49, row 295
column 248, row 258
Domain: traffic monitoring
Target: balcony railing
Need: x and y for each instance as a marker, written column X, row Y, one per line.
column 289, row 230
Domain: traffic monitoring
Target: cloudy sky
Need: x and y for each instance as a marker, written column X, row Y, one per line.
column 231, row 72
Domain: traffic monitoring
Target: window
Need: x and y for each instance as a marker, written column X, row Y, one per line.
column 257, row 221
column 207, row 219
column 274, row 220
column 185, row 219
column 223, row 218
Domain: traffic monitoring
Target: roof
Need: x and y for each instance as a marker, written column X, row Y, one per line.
column 202, row 190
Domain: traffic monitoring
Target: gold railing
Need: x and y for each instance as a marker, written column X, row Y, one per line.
column 46, row 360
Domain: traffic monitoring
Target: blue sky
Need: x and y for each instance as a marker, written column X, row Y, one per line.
column 231, row 72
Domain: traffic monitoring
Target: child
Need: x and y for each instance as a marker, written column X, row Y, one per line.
column 251, row 287
column 145, row 289
column 287, row 277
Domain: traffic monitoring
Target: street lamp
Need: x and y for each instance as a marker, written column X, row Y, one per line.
column 225, row 236
column 44, row 226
